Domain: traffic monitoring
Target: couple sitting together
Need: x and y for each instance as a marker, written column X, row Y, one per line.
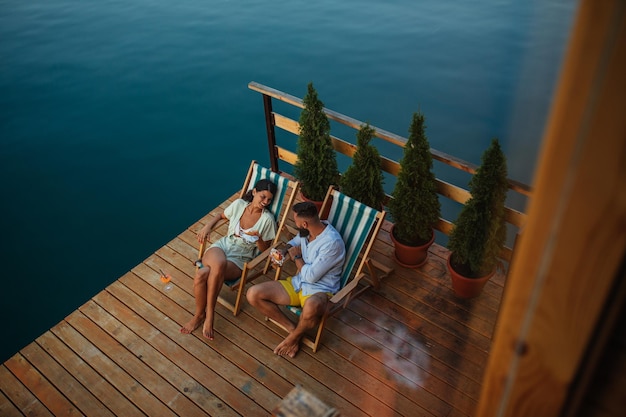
column 317, row 250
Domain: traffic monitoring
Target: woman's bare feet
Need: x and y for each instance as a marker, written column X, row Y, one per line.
column 191, row 325
column 289, row 346
column 207, row 329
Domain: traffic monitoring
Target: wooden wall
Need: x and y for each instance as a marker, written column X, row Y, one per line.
column 566, row 266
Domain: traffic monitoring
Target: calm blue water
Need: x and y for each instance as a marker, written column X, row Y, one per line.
column 118, row 118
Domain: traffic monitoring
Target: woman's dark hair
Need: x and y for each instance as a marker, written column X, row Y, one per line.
column 305, row 209
column 261, row 185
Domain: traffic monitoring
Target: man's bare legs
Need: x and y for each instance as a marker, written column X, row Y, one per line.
column 207, row 284
column 267, row 296
column 312, row 312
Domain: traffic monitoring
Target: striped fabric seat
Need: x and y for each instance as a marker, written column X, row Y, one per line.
column 354, row 221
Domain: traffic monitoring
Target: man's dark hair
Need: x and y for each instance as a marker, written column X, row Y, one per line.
column 305, row 209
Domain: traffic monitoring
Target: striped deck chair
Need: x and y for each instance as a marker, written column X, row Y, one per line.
column 359, row 225
column 286, row 191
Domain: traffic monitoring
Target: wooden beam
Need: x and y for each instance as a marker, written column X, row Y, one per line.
column 567, row 260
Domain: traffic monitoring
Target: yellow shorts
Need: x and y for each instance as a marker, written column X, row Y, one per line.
column 295, row 298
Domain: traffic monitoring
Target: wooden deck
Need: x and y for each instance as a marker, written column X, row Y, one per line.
column 411, row 349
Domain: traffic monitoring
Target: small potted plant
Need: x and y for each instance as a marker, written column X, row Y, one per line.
column 415, row 207
column 363, row 180
column 316, row 167
column 480, row 230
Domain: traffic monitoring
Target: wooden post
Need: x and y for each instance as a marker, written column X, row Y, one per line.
column 568, row 257
column 271, row 133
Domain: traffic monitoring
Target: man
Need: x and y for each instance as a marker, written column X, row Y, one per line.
column 319, row 253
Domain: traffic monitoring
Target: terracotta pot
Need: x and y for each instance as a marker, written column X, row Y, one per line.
column 318, row 204
column 467, row 287
column 411, row 256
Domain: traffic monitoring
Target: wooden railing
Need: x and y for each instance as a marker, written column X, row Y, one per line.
column 272, row 120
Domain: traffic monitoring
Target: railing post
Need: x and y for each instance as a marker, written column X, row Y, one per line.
column 271, row 134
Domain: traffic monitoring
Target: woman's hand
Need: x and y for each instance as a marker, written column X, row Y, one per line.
column 203, row 234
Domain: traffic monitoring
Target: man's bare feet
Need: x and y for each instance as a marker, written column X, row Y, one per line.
column 288, row 347
column 207, row 329
column 191, row 325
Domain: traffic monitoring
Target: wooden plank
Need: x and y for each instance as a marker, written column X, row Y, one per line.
column 391, row 387
column 436, row 334
column 87, row 376
column 286, row 155
column 84, row 401
column 323, row 379
column 286, row 123
column 19, row 396
column 100, row 351
column 452, row 192
column 480, row 341
column 445, row 363
column 252, row 366
column 132, row 354
column 223, row 378
column 393, row 353
column 161, row 362
column 187, row 246
column 343, row 147
column 45, row 392
column 287, row 98
column 7, row 408
column 479, row 313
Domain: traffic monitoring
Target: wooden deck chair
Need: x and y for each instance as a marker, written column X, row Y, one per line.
column 358, row 225
column 286, row 191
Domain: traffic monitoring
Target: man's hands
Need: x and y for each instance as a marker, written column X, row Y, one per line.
column 296, row 254
column 294, row 251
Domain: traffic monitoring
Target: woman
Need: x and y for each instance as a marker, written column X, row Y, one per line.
column 251, row 230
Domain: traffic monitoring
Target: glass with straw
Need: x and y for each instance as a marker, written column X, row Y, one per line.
column 166, row 279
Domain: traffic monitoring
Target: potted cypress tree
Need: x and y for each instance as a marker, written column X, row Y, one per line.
column 316, row 167
column 415, row 206
column 480, row 230
column 363, row 180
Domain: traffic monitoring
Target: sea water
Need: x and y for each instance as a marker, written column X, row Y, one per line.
column 123, row 122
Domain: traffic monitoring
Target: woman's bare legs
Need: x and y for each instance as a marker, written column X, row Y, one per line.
column 207, row 284
column 215, row 259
